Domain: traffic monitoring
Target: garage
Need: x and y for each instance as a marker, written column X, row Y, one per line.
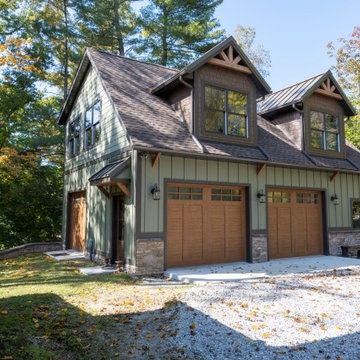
column 206, row 224
column 77, row 228
column 295, row 223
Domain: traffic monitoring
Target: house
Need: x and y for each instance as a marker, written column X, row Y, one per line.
column 168, row 168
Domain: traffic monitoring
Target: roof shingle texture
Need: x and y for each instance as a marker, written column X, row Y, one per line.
column 152, row 123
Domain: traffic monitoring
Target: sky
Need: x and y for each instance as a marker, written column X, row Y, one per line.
column 295, row 33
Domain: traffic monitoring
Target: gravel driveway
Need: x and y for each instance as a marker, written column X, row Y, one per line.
column 297, row 316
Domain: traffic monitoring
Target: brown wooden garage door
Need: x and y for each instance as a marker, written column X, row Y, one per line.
column 77, row 221
column 205, row 224
column 295, row 223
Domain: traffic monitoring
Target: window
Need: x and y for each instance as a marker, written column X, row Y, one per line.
column 324, row 131
column 184, row 193
column 278, row 197
column 225, row 112
column 226, row 194
column 74, row 138
column 356, row 214
column 307, row 198
column 92, row 125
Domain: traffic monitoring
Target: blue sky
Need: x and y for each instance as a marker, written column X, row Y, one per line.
column 295, row 33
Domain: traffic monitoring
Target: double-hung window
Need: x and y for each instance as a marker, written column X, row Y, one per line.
column 225, row 112
column 74, row 138
column 92, row 125
column 324, row 131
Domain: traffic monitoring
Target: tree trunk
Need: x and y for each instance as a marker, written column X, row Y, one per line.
column 119, row 37
column 66, row 45
column 164, row 44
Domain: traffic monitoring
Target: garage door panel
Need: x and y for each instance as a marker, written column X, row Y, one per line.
column 294, row 223
column 193, row 235
column 235, row 232
column 211, row 227
column 215, row 235
column 174, row 249
column 284, row 231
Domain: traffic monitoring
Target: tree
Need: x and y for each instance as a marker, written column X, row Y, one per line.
column 347, row 69
column 176, row 31
column 245, row 37
column 106, row 24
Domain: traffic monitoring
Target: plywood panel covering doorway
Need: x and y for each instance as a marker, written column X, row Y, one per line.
column 77, row 231
column 206, row 224
column 295, row 223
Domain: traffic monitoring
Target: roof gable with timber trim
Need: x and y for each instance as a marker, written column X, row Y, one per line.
column 227, row 54
column 324, row 84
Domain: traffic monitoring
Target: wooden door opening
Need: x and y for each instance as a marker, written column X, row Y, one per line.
column 118, row 243
column 77, row 213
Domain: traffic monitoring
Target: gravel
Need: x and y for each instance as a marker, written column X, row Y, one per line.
column 296, row 316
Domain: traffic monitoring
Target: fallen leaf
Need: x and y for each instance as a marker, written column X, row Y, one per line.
column 192, row 326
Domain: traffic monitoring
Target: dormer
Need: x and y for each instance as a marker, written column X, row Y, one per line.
column 311, row 113
column 216, row 95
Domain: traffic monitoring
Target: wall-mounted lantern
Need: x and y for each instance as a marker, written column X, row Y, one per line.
column 261, row 197
column 335, row 200
column 155, row 192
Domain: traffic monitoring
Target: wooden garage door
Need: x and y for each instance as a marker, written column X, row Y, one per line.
column 77, row 221
column 205, row 224
column 295, row 223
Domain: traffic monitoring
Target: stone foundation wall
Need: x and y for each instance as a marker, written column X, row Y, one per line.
column 149, row 257
column 338, row 239
column 29, row 249
column 259, row 248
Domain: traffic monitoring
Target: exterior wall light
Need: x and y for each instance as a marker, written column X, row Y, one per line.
column 335, row 200
column 261, row 197
column 156, row 192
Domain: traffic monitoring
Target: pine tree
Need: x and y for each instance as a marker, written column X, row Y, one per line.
column 175, row 32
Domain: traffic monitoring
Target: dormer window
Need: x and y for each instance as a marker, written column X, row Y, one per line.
column 324, row 131
column 225, row 112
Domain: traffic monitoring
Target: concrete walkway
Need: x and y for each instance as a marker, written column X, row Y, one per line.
column 241, row 271
column 68, row 254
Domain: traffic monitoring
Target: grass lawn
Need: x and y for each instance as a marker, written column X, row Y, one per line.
column 50, row 311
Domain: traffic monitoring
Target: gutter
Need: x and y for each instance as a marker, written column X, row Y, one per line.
column 242, row 160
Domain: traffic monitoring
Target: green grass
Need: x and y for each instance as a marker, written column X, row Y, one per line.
column 50, row 311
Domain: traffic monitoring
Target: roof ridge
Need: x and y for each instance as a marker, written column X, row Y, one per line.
column 136, row 60
column 297, row 83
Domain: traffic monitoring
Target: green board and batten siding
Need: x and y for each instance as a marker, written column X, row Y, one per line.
column 346, row 186
column 113, row 139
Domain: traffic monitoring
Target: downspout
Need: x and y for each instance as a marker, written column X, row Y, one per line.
column 303, row 128
column 192, row 130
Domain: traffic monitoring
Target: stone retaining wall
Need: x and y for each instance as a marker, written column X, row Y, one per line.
column 343, row 238
column 29, row 249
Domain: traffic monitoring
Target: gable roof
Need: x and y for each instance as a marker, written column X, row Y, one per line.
column 153, row 125
column 260, row 82
column 299, row 92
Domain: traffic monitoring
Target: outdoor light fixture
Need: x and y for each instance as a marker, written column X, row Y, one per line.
column 335, row 200
column 261, row 196
column 156, row 192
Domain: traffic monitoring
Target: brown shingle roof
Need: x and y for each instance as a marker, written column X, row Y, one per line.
column 151, row 122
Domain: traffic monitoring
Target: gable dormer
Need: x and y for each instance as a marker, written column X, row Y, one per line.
column 311, row 113
column 224, row 88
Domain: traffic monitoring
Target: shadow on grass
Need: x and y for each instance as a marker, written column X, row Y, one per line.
column 44, row 326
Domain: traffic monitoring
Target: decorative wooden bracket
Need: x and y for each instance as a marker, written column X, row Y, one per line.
column 102, row 189
column 328, row 90
column 260, row 169
column 124, row 189
column 228, row 61
column 334, row 175
column 156, row 159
